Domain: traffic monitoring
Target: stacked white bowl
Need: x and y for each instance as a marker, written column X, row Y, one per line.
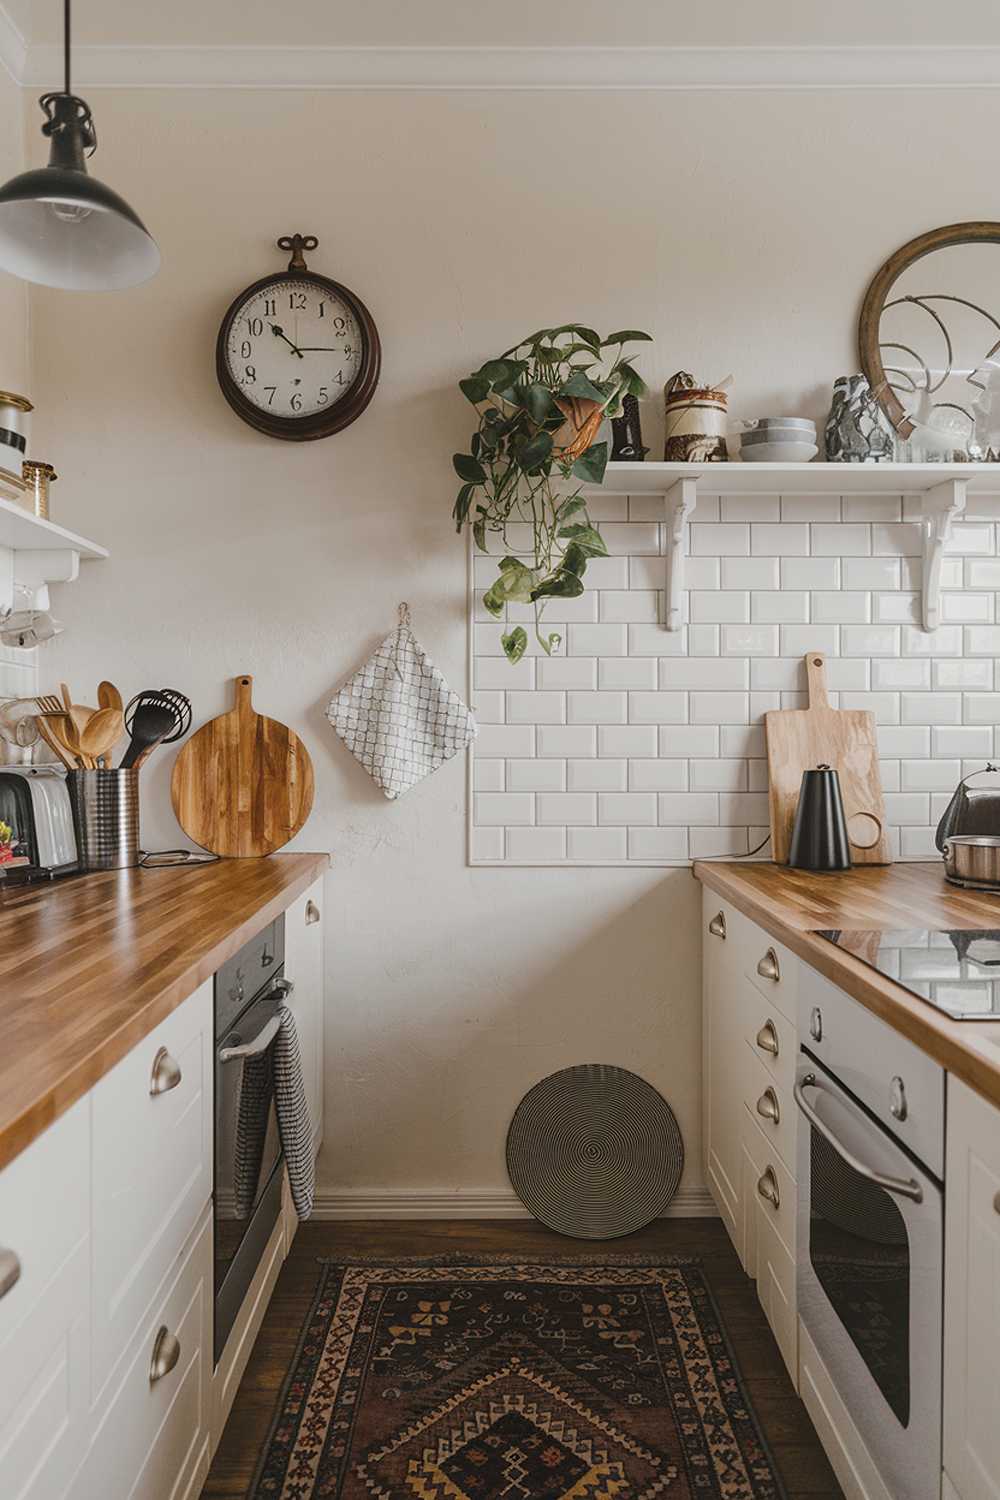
column 779, row 440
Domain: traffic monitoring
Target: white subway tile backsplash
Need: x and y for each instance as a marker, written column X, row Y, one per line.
column 788, row 606
column 790, row 539
column 749, row 573
column 597, row 845
column 632, row 743
column 598, row 775
column 669, row 845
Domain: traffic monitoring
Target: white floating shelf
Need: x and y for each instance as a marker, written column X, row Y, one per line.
column 22, row 531
column 942, row 488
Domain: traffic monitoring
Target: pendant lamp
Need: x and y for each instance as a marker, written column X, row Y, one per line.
column 60, row 227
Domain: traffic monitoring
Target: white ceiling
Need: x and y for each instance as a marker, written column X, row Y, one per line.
column 521, row 23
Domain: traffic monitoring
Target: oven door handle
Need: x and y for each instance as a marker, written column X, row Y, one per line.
column 260, row 1043
column 903, row 1187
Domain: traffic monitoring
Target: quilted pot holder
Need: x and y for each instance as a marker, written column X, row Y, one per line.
column 398, row 716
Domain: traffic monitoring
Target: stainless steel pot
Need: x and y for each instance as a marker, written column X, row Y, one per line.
column 973, row 859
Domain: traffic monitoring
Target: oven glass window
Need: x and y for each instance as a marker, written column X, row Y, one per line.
column 860, row 1253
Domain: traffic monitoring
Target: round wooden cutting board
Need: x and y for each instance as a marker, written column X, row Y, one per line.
column 243, row 785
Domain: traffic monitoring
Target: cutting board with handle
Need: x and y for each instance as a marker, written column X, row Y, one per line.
column 243, row 785
column 799, row 739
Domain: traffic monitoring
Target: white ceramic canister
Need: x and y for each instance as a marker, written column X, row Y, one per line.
column 13, row 430
column 695, row 421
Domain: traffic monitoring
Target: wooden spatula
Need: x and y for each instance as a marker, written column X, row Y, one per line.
column 799, row 739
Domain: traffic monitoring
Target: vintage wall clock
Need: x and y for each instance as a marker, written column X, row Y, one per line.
column 298, row 355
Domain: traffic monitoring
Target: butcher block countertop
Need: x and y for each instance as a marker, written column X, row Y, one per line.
column 787, row 903
column 92, row 963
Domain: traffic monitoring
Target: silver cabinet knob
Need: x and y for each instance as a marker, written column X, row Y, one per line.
column 898, row 1107
column 10, row 1271
column 816, row 1024
column 767, row 1187
column 768, row 1106
column 717, row 926
column 312, row 913
column 767, row 1038
column 166, row 1074
column 768, row 967
column 166, row 1353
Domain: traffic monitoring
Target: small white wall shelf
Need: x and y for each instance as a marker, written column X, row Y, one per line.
column 942, row 489
column 22, row 531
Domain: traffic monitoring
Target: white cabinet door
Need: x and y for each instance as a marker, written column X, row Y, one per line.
column 727, row 941
column 44, row 1311
column 972, row 1296
column 304, row 928
column 769, row 1205
column 152, row 1143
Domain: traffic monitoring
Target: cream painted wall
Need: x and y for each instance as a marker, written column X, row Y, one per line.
column 463, row 222
column 13, row 293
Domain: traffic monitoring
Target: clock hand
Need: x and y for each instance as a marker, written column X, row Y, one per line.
column 318, row 349
column 279, row 334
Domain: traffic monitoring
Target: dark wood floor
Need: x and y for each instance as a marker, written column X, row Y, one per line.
column 800, row 1459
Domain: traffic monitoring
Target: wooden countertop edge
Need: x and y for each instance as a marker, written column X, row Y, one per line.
column 954, row 1044
column 25, row 1127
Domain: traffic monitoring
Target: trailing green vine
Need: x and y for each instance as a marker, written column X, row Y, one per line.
column 540, row 408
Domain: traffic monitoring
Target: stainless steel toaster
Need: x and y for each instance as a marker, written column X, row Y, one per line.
column 34, row 800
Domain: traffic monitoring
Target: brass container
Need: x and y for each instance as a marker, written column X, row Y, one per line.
column 39, row 476
column 13, row 430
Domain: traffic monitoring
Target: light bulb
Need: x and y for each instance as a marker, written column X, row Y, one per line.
column 70, row 213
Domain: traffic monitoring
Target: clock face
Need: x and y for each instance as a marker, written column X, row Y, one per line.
column 293, row 348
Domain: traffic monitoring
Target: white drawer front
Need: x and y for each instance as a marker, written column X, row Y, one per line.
column 901, row 1085
column 152, row 1172
column 772, row 1107
column 774, row 970
column 44, row 1316
column 768, row 1185
column 154, row 1434
column 766, row 1030
column 776, row 1291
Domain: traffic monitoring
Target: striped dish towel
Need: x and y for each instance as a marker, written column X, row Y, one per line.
column 294, row 1125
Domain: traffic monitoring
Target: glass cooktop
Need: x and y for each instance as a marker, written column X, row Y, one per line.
column 958, row 972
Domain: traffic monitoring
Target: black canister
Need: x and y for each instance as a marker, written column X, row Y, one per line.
column 819, row 837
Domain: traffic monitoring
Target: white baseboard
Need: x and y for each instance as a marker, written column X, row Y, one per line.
column 466, row 1203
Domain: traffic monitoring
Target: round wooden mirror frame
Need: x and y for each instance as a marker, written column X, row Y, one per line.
column 976, row 232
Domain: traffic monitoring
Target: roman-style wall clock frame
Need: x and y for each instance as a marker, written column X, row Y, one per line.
column 276, row 381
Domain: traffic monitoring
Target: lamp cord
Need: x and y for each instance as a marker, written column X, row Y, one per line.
column 66, row 5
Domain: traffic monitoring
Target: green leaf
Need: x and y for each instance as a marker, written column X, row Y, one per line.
column 592, row 339
column 534, row 452
column 549, row 643
column 630, row 378
column 475, row 389
column 562, row 584
column 493, row 599
column 574, row 560
column 592, row 464
column 479, row 534
column 627, row 336
column 514, row 644
column 570, row 507
column 581, row 386
column 539, row 403
column 499, row 371
column 586, row 538
column 466, row 467
column 460, row 510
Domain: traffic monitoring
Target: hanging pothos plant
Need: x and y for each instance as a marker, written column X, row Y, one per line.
column 540, row 408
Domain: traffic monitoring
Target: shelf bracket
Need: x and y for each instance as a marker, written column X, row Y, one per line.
column 939, row 507
column 35, row 570
column 680, row 502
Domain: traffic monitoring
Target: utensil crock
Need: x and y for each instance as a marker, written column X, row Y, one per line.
column 106, row 817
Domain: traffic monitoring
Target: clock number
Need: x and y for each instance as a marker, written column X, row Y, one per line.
column 347, row 351
column 339, row 377
column 251, row 375
column 296, row 402
column 270, row 389
column 246, row 349
column 322, row 309
column 270, row 307
column 339, row 325
column 297, row 301
column 255, row 327
column 323, row 395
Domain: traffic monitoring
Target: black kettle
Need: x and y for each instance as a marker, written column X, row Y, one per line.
column 819, row 835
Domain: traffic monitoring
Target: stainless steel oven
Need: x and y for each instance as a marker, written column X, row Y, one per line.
column 869, row 1274
column 249, row 992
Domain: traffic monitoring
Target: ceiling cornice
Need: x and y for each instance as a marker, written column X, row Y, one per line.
column 506, row 68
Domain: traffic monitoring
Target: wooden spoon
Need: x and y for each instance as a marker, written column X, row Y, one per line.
column 54, row 743
column 108, row 696
column 79, row 713
column 101, row 732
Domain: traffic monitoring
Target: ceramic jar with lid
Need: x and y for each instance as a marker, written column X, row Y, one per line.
column 13, row 430
column 695, row 421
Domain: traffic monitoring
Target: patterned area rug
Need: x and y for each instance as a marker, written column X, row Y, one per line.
column 509, row 1380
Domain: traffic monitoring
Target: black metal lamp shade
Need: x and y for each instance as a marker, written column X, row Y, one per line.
column 59, row 227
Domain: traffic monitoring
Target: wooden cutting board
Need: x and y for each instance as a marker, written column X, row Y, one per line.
column 799, row 739
column 243, row 785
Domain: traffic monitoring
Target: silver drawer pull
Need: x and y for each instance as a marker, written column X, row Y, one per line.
column 717, row 926
column 312, row 913
column 767, row 1038
column 903, row 1187
column 768, row 966
column 166, row 1353
column 767, row 1187
column 166, row 1074
column 10, row 1271
column 768, row 1106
